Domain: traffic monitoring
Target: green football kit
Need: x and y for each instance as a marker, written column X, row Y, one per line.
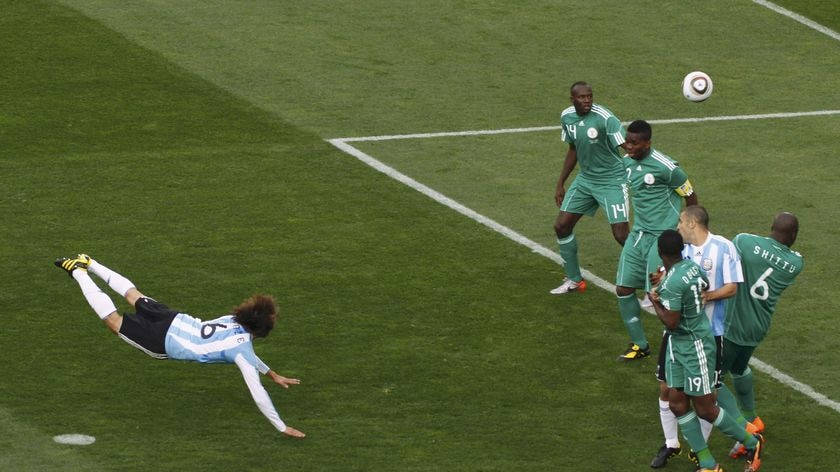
column 600, row 178
column 657, row 186
column 769, row 268
column 690, row 360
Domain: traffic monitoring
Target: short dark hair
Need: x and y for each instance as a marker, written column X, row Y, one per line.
column 577, row 84
column 670, row 244
column 256, row 315
column 641, row 127
column 698, row 214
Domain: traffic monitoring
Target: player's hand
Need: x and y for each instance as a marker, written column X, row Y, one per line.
column 559, row 195
column 655, row 277
column 653, row 296
column 282, row 381
column 294, row 433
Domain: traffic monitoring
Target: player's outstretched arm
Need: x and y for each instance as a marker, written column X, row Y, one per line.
column 282, row 381
column 261, row 398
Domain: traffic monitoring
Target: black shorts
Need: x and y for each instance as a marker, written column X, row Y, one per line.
column 718, row 361
column 146, row 329
column 660, row 363
column 660, row 366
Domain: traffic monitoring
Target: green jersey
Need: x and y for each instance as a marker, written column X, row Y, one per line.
column 681, row 289
column 595, row 136
column 657, row 184
column 769, row 268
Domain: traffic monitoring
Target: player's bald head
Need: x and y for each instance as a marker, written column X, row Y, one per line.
column 785, row 228
column 579, row 87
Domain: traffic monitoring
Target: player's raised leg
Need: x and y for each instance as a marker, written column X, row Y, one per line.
column 101, row 304
column 117, row 282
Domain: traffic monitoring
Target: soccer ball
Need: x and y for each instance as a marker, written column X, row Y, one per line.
column 697, row 86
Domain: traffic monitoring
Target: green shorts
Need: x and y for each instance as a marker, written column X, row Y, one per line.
column 690, row 364
column 639, row 257
column 585, row 196
column 736, row 358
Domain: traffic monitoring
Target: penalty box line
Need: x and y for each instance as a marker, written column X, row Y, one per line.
column 485, row 132
column 343, row 145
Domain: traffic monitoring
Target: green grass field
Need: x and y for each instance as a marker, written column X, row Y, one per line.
column 185, row 144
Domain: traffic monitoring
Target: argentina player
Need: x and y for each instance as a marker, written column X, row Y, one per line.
column 164, row 333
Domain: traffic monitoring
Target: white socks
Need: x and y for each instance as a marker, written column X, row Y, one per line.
column 706, row 428
column 96, row 298
column 670, row 426
column 117, row 282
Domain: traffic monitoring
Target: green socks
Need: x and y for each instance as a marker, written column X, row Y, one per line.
column 743, row 385
column 569, row 252
column 630, row 313
column 729, row 426
column 693, row 434
column 726, row 400
column 690, row 427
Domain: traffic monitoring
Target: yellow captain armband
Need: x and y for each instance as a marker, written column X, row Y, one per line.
column 685, row 190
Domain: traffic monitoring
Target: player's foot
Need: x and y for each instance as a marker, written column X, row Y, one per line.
column 634, row 352
column 692, row 457
column 753, row 427
column 664, row 455
column 716, row 468
column 753, row 456
column 569, row 285
column 70, row 264
column 84, row 258
column 738, row 450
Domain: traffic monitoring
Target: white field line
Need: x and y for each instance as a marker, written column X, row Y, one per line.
column 448, row 134
column 342, row 144
column 805, row 21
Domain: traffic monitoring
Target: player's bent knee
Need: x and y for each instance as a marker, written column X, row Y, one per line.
column 562, row 230
column 620, row 232
column 132, row 295
column 565, row 223
column 624, row 291
column 113, row 322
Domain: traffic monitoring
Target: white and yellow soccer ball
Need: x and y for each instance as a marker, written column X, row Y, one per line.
column 697, row 86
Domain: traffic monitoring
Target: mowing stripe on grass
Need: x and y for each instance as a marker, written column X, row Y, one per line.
column 342, row 144
column 447, row 134
column 795, row 16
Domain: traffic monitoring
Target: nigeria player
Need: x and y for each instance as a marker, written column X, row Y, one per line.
column 719, row 260
column 678, row 302
column 163, row 333
column 770, row 266
column 657, row 184
column 594, row 135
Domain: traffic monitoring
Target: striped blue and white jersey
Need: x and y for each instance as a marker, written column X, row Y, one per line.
column 719, row 259
column 214, row 341
column 222, row 340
